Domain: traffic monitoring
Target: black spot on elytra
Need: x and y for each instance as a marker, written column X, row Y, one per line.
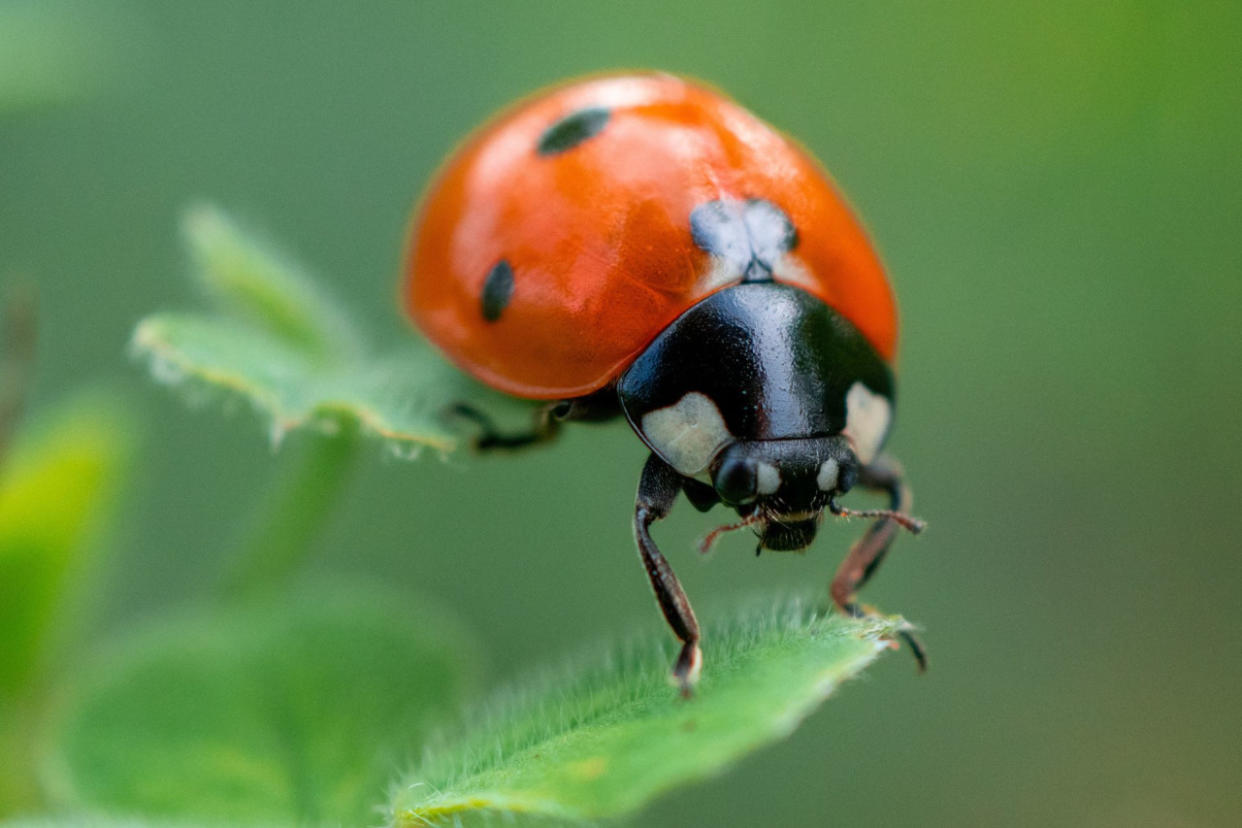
column 497, row 290
column 572, row 130
column 750, row 235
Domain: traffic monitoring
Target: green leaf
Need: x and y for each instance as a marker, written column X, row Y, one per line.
column 601, row 742
column 55, row 491
column 262, row 285
column 277, row 341
column 297, row 708
column 101, row 821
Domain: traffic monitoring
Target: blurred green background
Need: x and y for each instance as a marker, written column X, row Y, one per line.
column 1057, row 189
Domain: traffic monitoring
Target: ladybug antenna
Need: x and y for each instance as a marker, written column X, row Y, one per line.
column 709, row 540
column 911, row 524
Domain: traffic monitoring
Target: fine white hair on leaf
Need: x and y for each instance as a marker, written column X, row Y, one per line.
column 276, row 433
column 166, row 371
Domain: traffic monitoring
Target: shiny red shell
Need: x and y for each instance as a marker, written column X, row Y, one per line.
column 598, row 236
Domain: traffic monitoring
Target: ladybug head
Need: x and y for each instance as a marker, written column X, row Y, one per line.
column 770, row 396
column 783, row 486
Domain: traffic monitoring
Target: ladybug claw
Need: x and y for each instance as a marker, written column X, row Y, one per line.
column 687, row 668
column 916, row 649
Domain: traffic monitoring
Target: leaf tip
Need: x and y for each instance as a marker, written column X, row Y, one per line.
column 202, row 221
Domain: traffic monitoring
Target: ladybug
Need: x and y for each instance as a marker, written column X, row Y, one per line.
column 640, row 245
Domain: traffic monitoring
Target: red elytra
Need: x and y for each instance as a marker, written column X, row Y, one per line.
column 598, row 237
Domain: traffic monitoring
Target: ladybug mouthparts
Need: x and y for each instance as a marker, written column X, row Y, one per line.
column 791, row 536
column 780, row 533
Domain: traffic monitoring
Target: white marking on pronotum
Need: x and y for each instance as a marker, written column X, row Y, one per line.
column 687, row 434
column 768, row 478
column 867, row 417
column 827, row 477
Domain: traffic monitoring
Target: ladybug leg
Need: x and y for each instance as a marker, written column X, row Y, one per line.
column 701, row 496
column 544, row 428
column 865, row 557
column 599, row 406
column 657, row 491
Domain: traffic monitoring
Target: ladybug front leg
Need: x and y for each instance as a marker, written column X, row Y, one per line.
column 865, row 557
column 657, row 491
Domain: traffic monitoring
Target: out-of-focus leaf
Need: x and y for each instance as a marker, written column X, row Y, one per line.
column 601, row 741
column 263, row 286
column 100, row 821
column 279, row 343
column 289, row 709
column 55, row 489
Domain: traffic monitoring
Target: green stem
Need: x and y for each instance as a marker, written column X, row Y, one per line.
column 288, row 520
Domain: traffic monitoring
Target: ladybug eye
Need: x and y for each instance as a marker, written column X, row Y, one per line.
column 737, row 481
column 847, row 476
